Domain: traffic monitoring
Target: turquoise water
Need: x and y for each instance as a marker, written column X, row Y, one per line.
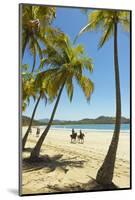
column 96, row 127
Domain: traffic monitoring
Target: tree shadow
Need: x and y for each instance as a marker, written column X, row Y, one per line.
column 52, row 163
column 91, row 185
column 27, row 150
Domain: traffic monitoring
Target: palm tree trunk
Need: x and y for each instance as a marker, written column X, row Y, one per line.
column 35, row 152
column 28, row 130
column 34, row 60
column 24, row 46
column 106, row 171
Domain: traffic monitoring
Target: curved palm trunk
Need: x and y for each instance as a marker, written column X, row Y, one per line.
column 105, row 173
column 28, row 130
column 35, row 152
column 34, row 60
column 24, row 46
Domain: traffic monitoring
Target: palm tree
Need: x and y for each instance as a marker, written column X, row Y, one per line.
column 71, row 62
column 30, row 124
column 28, row 90
column 35, row 23
column 33, row 84
column 107, row 21
column 33, row 88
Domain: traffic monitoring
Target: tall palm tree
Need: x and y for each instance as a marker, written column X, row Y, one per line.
column 29, row 90
column 107, row 21
column 35, row 23
column 71, row 62
column 33, row 84
column 33, row 88
column 30, row 124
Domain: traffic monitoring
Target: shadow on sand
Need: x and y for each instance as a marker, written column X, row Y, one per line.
column 57, row 161
column 27, row 150
column 52, row 163
column 91, row 185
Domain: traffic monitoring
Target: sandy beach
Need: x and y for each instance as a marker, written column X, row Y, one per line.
column 72, row 167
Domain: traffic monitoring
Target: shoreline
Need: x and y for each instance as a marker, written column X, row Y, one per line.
column 83, row 129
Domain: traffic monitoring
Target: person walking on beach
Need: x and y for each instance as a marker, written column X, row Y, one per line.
column 30, row 130
column 38, row 132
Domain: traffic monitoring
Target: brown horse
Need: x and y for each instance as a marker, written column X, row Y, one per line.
column 73, row 137
column 81, row 137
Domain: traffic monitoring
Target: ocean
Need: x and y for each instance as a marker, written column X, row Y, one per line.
column 93, row 127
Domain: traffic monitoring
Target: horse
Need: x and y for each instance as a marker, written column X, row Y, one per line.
column 81, row 138
column 73, row 137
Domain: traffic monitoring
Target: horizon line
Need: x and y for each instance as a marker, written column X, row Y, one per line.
column 78, row 119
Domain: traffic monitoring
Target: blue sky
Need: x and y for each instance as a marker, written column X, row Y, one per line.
column 102, row 102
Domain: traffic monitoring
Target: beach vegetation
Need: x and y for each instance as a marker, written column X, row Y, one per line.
column 107, row 22
column 71, row 61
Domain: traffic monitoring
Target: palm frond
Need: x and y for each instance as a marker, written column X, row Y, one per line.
column 83, row 30
column 86, row 85
column 106, row 35
column 70, row 88
column 124, row 20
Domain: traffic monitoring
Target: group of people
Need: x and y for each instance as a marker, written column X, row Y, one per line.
column 37, row 132
column 74, row 136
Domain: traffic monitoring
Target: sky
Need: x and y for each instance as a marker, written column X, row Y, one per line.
column 70, row 21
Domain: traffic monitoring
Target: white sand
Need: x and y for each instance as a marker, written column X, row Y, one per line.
column 73, row 164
